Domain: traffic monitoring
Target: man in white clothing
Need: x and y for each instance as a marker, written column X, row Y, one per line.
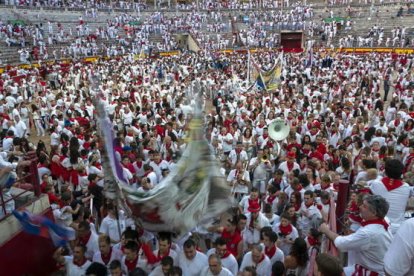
column 164, row 268
column 370, row 242
column 74, row 265
column 399, row 259
column 215, row 268
column 20, row 127
column 190, row 260
column 106, row 253
column 87, row 238
column 394, row 190
column 257, row 259
column 227, row 259
column 255, row 222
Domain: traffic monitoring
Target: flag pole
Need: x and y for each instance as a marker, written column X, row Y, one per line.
column 248, row 66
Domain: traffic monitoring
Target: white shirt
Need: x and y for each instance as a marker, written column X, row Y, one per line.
column 192, row 267
column 397, row 198
column 228, row 262
column 399, row 259
column 369, row 244
column 92, row 246
column 74, row 270
column 239, row 187
column 21, row 129
column 115, row 255
column 109, row 227
column 224, row 272
column 252, row 235
column 264, row 268
column 282, row 244
column 7, row 143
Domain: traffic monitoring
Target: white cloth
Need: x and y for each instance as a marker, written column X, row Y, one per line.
column 399, row 259
column 192, row 267
column 264, row 268
column 397, row 199
column 74, row 270
column 369, row 243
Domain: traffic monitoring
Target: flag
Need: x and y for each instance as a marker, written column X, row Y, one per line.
column 44, row 227
column 192, row 194
column 331, row 248
column 271, row 78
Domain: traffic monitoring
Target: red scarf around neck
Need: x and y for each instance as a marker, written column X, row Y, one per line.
column 290, row 166
column 228, row 253
column 106, row 258
column 376, row 221
column 271, row 198
column 285, row 230
column 312, row 241
column 84, row 240
column 391, row 184
column 270, row 252
column 131, row 265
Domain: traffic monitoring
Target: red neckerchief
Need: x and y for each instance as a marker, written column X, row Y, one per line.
column 306, row 151
column 253, row 200
column 300, row 188
column 265, row 136
column 376, row 221
column 84, row 240
column 396, row 122
column 391, row 184
column 139, row 164
column 312, row 241
column 98, row 166
column 270, row 252
column 285, row 230
column 309, row 205
column 290, row 165
column 270, row 199
column 261, row 260
column 80, row 263
column 313, row 132
column 164, row 255
column 106, row 258
column 131, row 265
column 226, row 254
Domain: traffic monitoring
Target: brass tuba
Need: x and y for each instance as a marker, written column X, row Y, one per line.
column 278, row 131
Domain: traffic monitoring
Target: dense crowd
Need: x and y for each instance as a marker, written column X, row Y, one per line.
column 350, row 120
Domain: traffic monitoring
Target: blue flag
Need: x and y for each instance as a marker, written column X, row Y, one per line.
column 44, row 227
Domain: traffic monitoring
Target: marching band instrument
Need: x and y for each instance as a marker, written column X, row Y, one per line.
column 278, row 131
